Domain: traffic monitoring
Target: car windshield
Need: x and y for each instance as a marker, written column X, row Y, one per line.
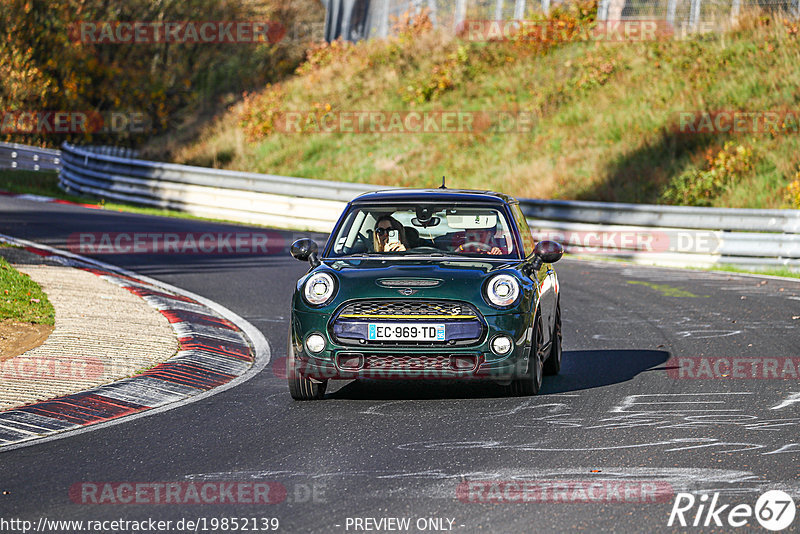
column 429, row 230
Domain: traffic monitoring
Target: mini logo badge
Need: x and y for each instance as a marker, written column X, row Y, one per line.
column 406, row 291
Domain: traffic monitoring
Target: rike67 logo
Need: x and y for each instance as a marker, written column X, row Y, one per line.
column 774, row 510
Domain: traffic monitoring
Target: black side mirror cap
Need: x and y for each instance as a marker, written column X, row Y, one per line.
column 306, row 250
column 549, row 251
column 546, row 252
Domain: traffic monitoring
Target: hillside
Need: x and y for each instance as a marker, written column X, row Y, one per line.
column 609, row 121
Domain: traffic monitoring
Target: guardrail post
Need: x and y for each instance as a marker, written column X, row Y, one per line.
column 672, row 6
column 460, row 15
column 433, row 12
column 519, row 9
column 735, row 7
column 602, row 10
column 694, row 14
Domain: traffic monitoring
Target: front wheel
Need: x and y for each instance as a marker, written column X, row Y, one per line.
column 552, row 365
column 531, row 382
column 300, row 387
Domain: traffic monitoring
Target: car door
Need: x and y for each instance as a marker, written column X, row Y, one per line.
column 544, row 277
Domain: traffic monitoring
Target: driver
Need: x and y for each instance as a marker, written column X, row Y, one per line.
column 480, row 241
column 380, row 238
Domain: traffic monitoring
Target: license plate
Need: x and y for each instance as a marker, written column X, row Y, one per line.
column 405, row 332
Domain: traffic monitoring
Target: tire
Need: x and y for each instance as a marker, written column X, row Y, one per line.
column 300, row 387
column 531, row 382
column 552, row 365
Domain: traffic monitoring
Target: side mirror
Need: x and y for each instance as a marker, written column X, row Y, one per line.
column 305, row 250
column 549, row 251
column 546, row 252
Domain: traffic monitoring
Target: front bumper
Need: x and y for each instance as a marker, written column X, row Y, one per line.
column 450, row 361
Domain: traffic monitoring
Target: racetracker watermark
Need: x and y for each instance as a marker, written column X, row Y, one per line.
column 733, row 367
column 563, row 491
column 237, row 243
column 739, row 122
column 74, row 122
column 405, row 122
column 610, row 31
column 38, row 368
column 202, row 32
column 774, row 510
column 616, row 242
column 206, row 492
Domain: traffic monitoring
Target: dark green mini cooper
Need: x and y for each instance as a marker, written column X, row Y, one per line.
column 428, row 284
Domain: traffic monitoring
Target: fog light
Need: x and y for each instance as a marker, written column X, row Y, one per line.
column 351, row 361
column 315, row 343
column 463, row 363
column 501, row 345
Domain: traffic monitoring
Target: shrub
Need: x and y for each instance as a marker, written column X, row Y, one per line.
column 258, row 112
column 701, row 187
column 793, row 192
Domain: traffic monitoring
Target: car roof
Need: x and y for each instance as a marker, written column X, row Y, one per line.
column 433, row 195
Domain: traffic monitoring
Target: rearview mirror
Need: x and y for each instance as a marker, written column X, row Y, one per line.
column 305, row 250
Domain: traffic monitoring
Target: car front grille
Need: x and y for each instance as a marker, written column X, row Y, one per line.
column 408, row 363
column 409, row 309
column 465, row 325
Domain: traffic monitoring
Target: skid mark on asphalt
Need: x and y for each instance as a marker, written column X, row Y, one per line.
column 793, row 398
column 443, row 483
column 632, row 401
column 790, row 447
column 529, row 404
column 707, row 412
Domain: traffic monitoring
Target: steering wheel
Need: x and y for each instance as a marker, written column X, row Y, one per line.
column 365, row 241
column 476, row 244
column 425, row 249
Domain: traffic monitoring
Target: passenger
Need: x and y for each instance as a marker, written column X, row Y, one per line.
column 380, row 238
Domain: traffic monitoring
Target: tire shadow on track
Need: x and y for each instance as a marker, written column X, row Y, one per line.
column 580, row 369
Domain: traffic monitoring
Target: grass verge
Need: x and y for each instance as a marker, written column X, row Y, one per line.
column 608, row 115
column 21, row 299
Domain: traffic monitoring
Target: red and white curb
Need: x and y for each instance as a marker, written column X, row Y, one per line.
column 217, row 350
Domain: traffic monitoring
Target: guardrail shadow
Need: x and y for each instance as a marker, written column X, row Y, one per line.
column 580, row 370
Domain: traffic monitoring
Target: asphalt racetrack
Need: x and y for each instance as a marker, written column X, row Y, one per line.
column 616, row 436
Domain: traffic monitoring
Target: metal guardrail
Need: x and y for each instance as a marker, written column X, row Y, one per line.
column 244, row 197
column 23, row 157
column 666, row 235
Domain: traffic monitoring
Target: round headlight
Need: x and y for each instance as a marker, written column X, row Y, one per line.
column 315, row 343
column 318, row 289
column 502, row 290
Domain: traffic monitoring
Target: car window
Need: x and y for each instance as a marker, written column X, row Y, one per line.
column 528, row 243
column 441, row 229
